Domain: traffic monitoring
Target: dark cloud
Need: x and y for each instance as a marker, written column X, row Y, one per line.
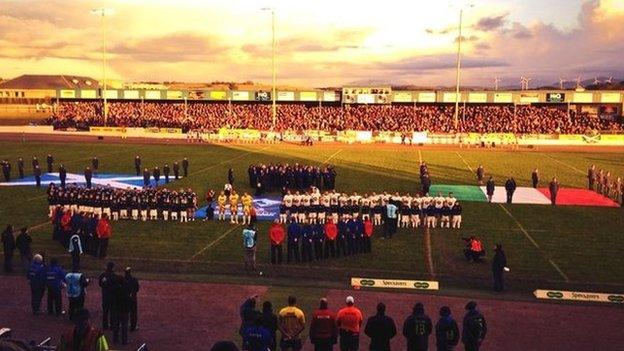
column 482, row 46
column 441, row 31
column 171, row 48
column 471, row 38
column 439, row 62
column 487, row 24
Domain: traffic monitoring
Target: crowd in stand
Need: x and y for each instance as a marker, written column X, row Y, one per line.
column 144, row 204
column 277, row 177
column 604, row 183
column 259, row 330
column 522, row 119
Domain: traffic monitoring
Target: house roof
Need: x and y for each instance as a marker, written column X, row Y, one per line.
column 36, row 81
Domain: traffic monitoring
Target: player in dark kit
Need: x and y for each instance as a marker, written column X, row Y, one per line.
column 37, row 172
column 417, row 328
column 146, row 177
column 480, row 174
column 156, row 174
column 535, row 178
column 510, row 188
column 185, row 166
column 95, row 163
column 306, row 242
column 137, row 165
column 50, row 162
column 88, row 174
column 6, row 170
column 553, row 187
column 62, row 175
column 166, row 172
column 176, row 170
column 20, row 167
column 474, row 328
column 294, row 236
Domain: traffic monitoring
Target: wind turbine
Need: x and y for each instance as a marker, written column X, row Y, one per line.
column 610, row 80
column 561, row 82
column 596, row 81
column 578, row 82
column 522, row 82
column 496, row 82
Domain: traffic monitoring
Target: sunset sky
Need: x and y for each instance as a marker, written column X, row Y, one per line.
column 320, row 42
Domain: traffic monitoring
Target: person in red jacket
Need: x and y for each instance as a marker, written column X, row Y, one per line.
column 323, row 330
column 276, row 235
column 331, row 232
column 368, row 234
column 104, row 232
column 349, row 321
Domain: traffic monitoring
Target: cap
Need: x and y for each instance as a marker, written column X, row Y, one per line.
column 350, row 299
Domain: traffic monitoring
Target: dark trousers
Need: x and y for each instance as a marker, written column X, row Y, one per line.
column 103, row 247
column 368, row 246
column 107, row 307
column 88, row 183
column 391, row 225
column 120, row 324
column 293, row 252
column 330, row 248
column 210, row 212
column 276, row 254
column 553, row 198
column 62, row 182
column 8, row 261
column 318, row 250
column 498, row 280
column 185, row 172
column 133, row 313
column 55, row 301
column 36, row 295
column 75, row 255
column 75, row 304
column 137, row 169
column 535, row 183
column 352, row 248
column 341, row 247
column 349, row 341
column 21, row 173
column 323, row 345
column 590, row 184
column 509, row 197
column 306, row 252
column 471, row 347
column 38, row 181
column 166, row 179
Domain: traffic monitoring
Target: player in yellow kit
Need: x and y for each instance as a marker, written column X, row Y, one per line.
column 247, row 201
column 234, row 197
column 221, row 201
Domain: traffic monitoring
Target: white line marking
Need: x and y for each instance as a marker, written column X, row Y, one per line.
column 227, row 161
column 528, row 236
column 213, row 243
column 332, row 156
column 465, row 162
column 565, row 164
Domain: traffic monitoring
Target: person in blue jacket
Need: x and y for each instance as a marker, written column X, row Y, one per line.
column 341, row 241
column 318, row 235
column 55, row 278
column 37, row 280
column 256, row 337
column 294, row 237
column 446, row 331
column 306, row 242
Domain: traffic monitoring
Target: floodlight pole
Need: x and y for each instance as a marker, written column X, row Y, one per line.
column 274, row 106
column 102, row 13
column 459, row 40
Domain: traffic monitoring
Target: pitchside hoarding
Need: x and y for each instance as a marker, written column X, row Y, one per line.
column 555, row 97
column 218, row 95
column 579, row 296
column 402, row 96
column 503, row 98
column 285, row 96
column 307, row 96
column 358, row 283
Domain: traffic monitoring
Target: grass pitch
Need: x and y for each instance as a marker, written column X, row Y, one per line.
column 546, row 246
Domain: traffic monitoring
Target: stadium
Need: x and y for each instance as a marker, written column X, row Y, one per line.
column 216, row 198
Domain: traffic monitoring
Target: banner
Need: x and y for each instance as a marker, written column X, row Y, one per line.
column 67, row 94
column 131, row 94
column 450, row 97
column 365, row 98
column 529, row 98
column 330, row 96
column 218, row 95
column 307, row 96
column 357, row 283
column 477, row 98
column 402, row 97
column 163, row 130
column 427, row 97
column 579, row 296
column 503, row 98
column 610, row 98
column 196, row 95
column 555, row 97
column 175, row 95
column 583, row 97
column 152, row 94
column 240, row 95
column 107, row 129
column 112, row 94
column 285, row 96
column 88, row 94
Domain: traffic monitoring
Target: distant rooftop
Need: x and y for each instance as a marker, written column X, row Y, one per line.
column 36, row 81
